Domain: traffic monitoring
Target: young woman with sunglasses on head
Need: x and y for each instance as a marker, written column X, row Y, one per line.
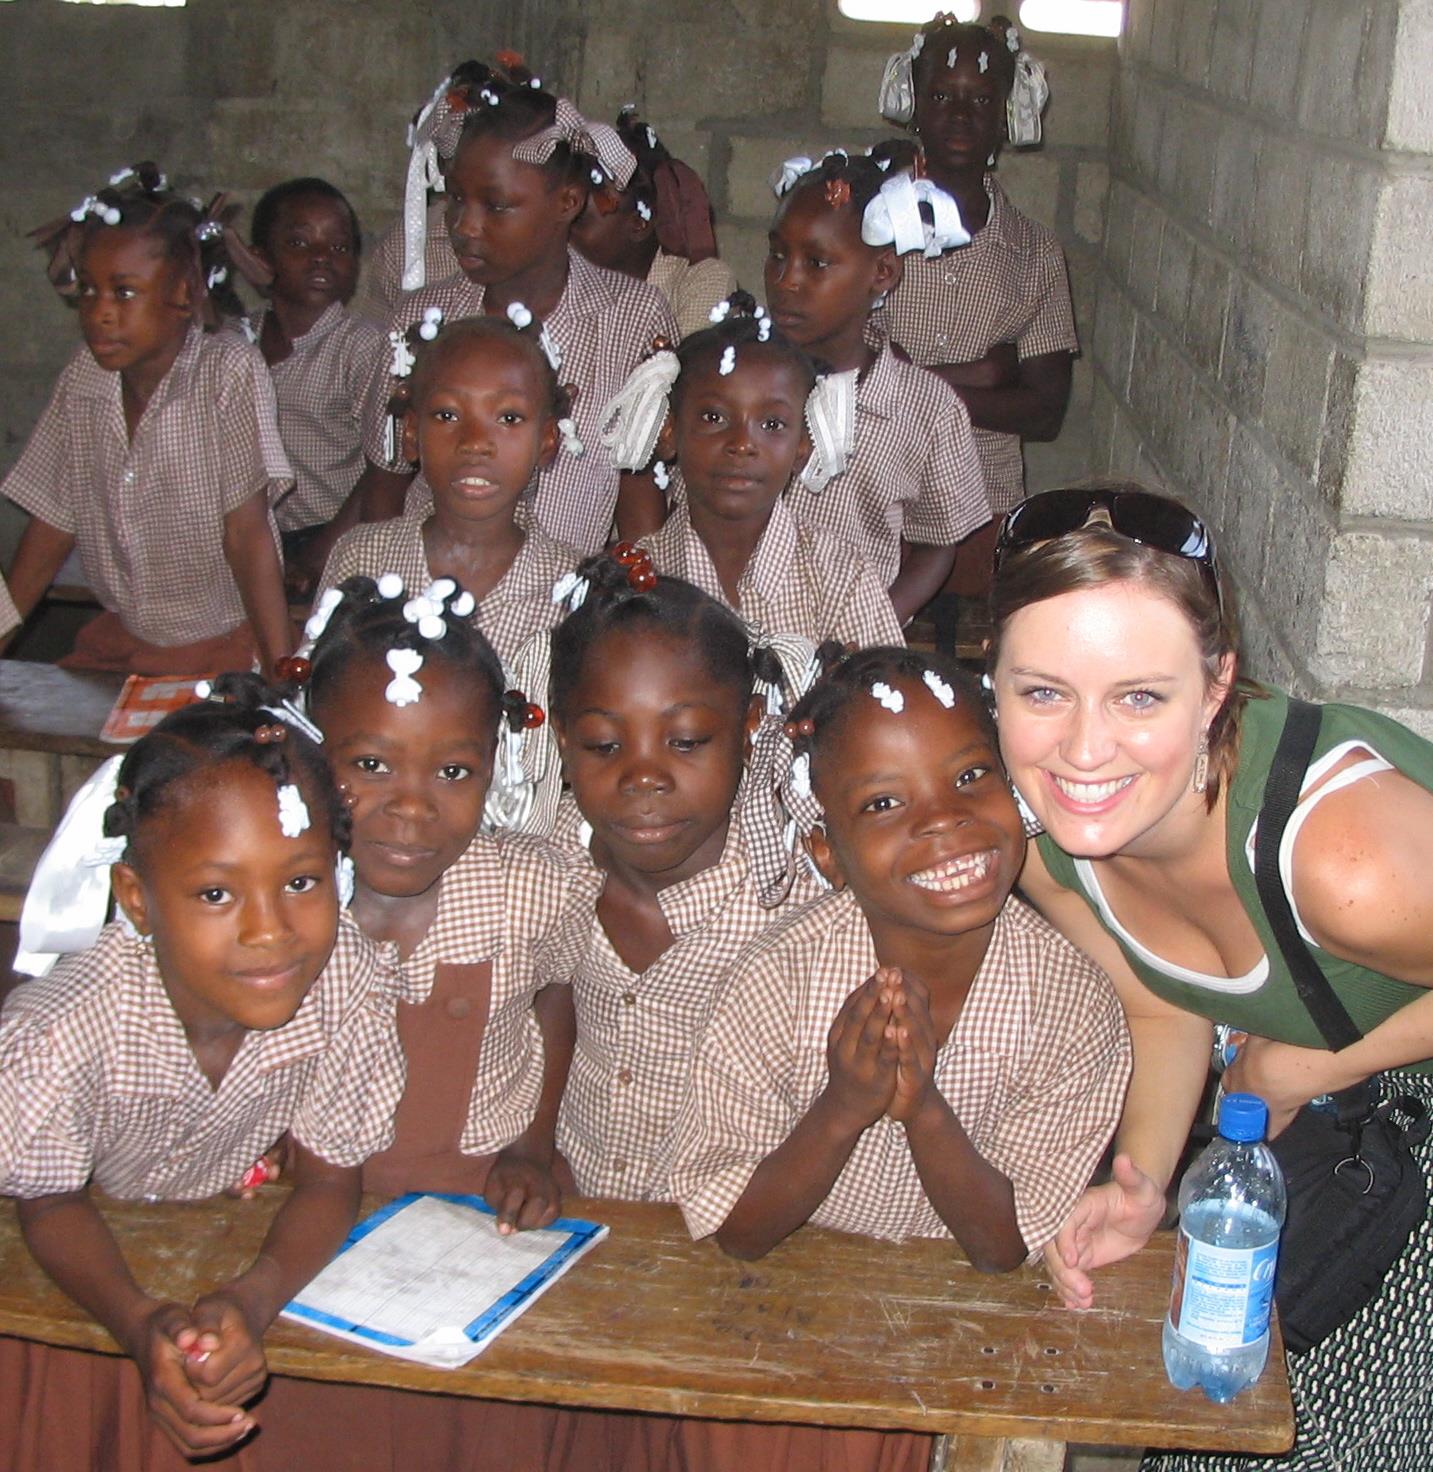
column 1127, row 730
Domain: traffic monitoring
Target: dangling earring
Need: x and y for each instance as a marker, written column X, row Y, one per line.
column 1200, row 780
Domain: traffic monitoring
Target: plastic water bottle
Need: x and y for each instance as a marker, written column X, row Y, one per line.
column 1231, row 1207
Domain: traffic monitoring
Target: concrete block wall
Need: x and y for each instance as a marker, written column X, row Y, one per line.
column 1264, row 324
column 737, row 88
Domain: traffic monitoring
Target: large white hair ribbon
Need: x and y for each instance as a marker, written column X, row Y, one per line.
column 68, row 899
column 894, row 217
column 424, row 173
column 633, row 419
column 831, row 422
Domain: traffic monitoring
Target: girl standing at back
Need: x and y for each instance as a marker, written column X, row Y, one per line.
column 520, row 176
column 730, row 403
column 158, row 1064
column 158, row 434
column 485, row 415
column 896, row 472
column 993, row 318
column 659, row 229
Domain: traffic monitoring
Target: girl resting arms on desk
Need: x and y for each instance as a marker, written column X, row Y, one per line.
column 229, row 1004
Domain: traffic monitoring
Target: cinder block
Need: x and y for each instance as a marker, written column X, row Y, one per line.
column 1281, row 208
column 1248, row 504
column 1144, row 252
column 1262, row 656
column 1120, row 218
column 1368, row 571
column 1248, row 340
column 710, row 69
column 1194, row 167
column 1176, row 262
column 1278, row 45
column 1124, row 447
column 1164, row 35
column 1102, row 426
column 1338, row 237
column 1295, row 389
column 743, row 248
column 1339, row 409
column 1417, row 718
column 1032, row 180
column 1400, row 269
column 1078, row 114
column 1208, row 306
column 1232, row 199
column 850, row 84
column 1331, row 87
column 1148, row 123
column 1292, row 590
column 611, row 74
column 749, row 168
column 1409, row 122
column 1390, row 445
column 1196, row 37
column 1232, row 49
column 1113, row 340
column 1092, row 187
column 1201, row 430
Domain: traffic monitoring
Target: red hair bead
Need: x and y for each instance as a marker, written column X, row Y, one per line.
column 625, row 554
column 642, row 578
column 293, row 669
column 533, row 717
column 838, row 193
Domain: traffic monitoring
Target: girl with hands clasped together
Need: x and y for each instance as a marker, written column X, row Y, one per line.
column 229, row 1004
column 915, row 1053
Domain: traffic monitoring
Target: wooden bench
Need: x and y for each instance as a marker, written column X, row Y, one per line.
column 829, row 1329
column 50, row 720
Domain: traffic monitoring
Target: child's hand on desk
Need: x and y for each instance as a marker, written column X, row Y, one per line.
column 861, row 1049
column 223, row 1356
column 915, row 1048
column 196, row 1424
column 521, row 1189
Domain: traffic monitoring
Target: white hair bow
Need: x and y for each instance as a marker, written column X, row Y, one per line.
column 403, row 689
column 831, row 423
column 68, row 899
column 784, row 180
column 633, row 418
column 894, row 217
column 424, row 173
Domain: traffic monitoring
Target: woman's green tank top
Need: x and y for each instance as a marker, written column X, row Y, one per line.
column 1273, row 1009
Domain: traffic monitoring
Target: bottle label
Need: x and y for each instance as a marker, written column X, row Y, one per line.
column 1222, row 1295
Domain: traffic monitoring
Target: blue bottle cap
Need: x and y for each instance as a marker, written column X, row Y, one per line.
column 1243, row 1117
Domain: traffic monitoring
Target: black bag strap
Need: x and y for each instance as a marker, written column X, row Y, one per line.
column 1281, row 793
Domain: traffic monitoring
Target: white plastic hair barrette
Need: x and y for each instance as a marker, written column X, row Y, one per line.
column 567, row 428
column 293, row 811
column 432, row 321
column 893, row 700
column 90, row 205
column 1012, row 40
column 440, row 590
column 519, row 315
column 644, row 209
column 651, row 138
column 763, row 325
column 290, row 715
column 728, row 360
column 217, row 276
column 121, row 176
column 720, row 312
column 463, row 605
column 403, row 358
column 598, row 177
column 570, row 590
column 801, row 775
column 343, row 880
column 208, row 230
column 984, row 61
column 550, row 349
column 952, row 56
column 403, row 689
column 661, row 475
column 427, row 614
column 941, row 689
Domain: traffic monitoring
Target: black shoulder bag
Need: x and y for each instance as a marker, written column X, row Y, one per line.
column 1356, row 1192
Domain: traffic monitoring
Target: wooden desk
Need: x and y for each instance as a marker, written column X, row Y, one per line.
column 50, row 721
column 829, row 1329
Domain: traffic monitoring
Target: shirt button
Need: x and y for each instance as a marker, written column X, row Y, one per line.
column 624, row 1075
column 458, row 1008
column 129, row 477
column 629, row 999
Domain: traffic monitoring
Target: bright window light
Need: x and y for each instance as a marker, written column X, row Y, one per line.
column 905, row 12
column 1074, row 17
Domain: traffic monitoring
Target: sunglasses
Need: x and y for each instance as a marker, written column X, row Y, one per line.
column 1152, row 521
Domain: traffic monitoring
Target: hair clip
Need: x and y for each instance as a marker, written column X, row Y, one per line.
column 123, row 176
column 728, row 360
column 951, row 57
column 651, row 137
column 291, row 716
column 570, row 589
column 217, row 276
column 597, row 177
column 893, row 700
column 801, row 775
column 661, row 475
column 1012, row 40
column 403, row 689
column 567, row 428
column 644, row 209
column 463, row 605
column 90, row 205
column 432, row 321
column 763, row 325
column 403, row 358
column 293, row 811
column 720, row 312
column 941, row 689
column 984, row 61
column 270, row 734
column 550, row 349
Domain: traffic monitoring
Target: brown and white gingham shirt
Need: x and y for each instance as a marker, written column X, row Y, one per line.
column 148, row 516
column 1008, row 285
column 801, row 580
column 913, row 473
column 98, row 1081
column 635, row 1034
column 382, row 286
column 9, row 614
column 692, row 288
column 1035, row 1070
column 503, row 902
column 603, row 325
column 517, row 608
column 334, row 380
